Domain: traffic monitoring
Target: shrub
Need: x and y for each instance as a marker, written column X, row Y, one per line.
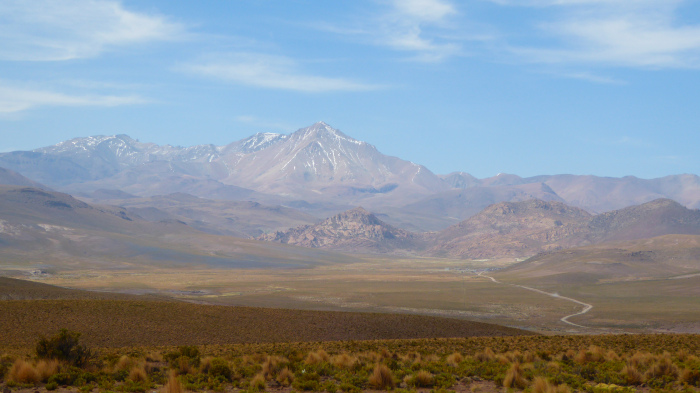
column 382, row 378
column 65, row 347
column 220, row 368
column 691, row 377
column 190, row 354
column 23, row 372
column 307, row 381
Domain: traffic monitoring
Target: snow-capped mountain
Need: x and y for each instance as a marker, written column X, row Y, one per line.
column 314, row 160
column 317, row 158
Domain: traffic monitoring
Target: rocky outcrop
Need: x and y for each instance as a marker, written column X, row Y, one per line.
column 355, row 230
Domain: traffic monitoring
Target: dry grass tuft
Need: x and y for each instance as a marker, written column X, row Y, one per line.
column 344, row 360
column 515, row 377
column 382, row 378
column 285, row 377
column 487, row 355
column 173, row 385
column 317, row 357
column 272, row 366
column 631, row 375
column 47, row 368
column 612, row 356
column 593, row 354
column 138, row 374
column 23, row 372
column 257, row 383
column 662, row 368
column 542, row 385
column 424, row 379
column 205, row 365
column 124, row 363
column 641, row 359
column 154, row 357
column 455, row 359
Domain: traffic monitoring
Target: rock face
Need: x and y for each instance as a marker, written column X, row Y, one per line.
column 511, row 229
column 355, row 230
column 523, row 229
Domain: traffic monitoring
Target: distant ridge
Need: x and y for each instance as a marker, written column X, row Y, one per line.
column 522, row 229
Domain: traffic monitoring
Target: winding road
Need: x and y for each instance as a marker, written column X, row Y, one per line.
column 586, row 307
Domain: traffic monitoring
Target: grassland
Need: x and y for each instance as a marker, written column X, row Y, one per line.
column 414, row 286
column 664, row 296
column 537, row 364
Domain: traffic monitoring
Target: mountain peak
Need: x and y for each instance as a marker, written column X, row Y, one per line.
column 323, row 131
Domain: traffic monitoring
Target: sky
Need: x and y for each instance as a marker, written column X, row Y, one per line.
column 529, row 87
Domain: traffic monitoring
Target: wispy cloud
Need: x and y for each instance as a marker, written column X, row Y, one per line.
column 590, row 77
column 54, row 30
column 421, row 28
column 270, row 71
column 18, row 99
column 642, row 34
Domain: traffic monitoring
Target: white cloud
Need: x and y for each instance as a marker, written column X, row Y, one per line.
column 405, row 27
column 272, row 72
column 17, row 99
column 627, row 33
column 54, row 30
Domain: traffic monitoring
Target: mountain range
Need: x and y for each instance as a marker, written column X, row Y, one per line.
column 320, row 171
column 304, row 189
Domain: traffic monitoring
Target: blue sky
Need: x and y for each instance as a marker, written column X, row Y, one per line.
column 603, row 87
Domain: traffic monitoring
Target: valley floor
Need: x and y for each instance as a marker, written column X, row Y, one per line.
column 433, row 287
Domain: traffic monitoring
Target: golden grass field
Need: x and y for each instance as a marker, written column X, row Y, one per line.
column 436, row 287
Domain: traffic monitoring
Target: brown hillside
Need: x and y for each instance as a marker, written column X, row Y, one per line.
column 121, row 323
column 669, row 256
column 511, row 229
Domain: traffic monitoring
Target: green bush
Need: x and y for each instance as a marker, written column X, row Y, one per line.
column 64, row 346
column 307, row 381
column 220, row 368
